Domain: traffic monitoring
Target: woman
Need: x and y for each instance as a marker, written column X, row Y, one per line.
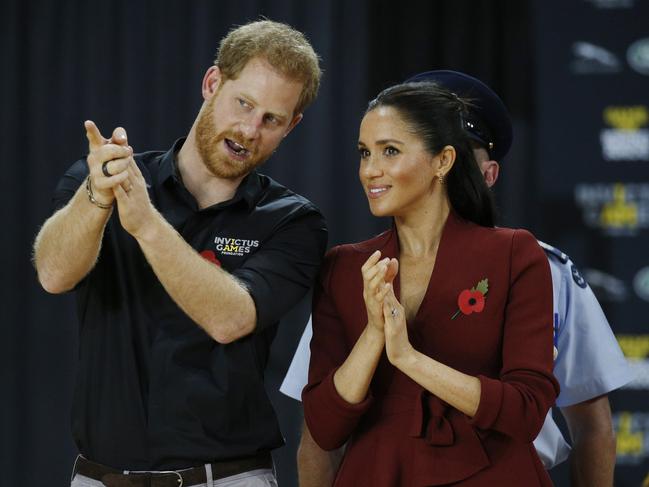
column 432, row 343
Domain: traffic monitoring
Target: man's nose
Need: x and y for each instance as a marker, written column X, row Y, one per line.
column 250, row 127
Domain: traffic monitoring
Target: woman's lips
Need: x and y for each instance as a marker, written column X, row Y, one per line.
column 377, row 191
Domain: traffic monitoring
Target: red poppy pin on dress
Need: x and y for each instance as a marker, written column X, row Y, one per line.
column 472, row 300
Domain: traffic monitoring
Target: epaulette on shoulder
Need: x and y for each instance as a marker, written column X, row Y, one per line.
column 549, row 249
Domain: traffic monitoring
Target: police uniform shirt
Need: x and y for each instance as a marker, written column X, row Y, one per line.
column 589, row 361
column 154, row 391
column 297, row 374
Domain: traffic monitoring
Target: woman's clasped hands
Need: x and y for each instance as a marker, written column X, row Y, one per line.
column 385, row 313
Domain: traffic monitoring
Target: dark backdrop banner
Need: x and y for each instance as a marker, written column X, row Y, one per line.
column 593, row 175
column 139, row 64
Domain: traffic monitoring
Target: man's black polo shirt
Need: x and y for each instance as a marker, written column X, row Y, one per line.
column 154, row 391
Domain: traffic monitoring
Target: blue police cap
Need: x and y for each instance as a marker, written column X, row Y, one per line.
column 488, row 121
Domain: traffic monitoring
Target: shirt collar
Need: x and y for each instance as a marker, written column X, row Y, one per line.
column 168, row 167
column 249, row 190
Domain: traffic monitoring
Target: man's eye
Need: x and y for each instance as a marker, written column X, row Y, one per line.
column 271, row 119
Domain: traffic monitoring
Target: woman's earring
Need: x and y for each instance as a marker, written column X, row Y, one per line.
column 440, row 176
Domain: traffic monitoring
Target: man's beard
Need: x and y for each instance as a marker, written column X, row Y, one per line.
column 209, row 144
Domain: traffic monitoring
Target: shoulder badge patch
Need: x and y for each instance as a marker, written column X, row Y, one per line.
column 577, row 277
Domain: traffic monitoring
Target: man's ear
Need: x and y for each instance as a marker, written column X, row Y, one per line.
column 211, row 82
column 296, row 119
column 490, row 171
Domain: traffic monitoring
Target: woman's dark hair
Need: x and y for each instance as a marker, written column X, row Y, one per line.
column 437, row 116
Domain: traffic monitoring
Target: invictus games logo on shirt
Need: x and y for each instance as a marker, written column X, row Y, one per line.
column 627, row 140
column 235, row 246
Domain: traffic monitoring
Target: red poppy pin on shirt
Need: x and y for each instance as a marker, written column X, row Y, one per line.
column 472, row 300
column 211, row 256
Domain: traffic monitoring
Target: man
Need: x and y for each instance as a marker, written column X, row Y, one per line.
column 589, row 363
column 183, row 262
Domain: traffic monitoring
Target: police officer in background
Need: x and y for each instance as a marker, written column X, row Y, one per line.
column 589, row 363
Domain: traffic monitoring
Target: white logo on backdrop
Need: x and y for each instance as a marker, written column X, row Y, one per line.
column 637, row 55
column 641, row 283
column 590, row 58
column 617, row 209
column 626, row 140
column 606, row 4
column 606, row 286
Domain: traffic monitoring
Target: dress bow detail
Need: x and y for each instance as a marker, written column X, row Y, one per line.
column 429, row 421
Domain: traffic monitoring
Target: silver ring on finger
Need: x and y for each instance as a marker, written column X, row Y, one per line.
column 394, row 312
column 104, row 169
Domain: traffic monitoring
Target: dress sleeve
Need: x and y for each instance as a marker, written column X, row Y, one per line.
column 331, row 419
column 516, row 404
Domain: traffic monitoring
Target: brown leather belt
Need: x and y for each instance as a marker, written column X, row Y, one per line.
column 175, row 478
